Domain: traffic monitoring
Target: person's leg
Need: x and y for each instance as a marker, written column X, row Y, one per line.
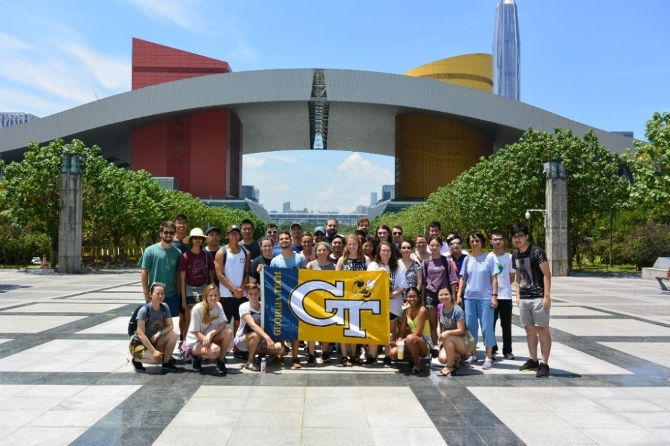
column 545, row 343
column 166, row 343
column 295, row 346
column 412, row 345
column 432, row 318
column 496, row 314
column 486, row 316
column 252, row 340
column 223, row 340
column 531, row 338
column 472, row 321
column 505, row 311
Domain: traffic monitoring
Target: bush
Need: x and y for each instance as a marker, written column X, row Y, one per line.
column 19, row 245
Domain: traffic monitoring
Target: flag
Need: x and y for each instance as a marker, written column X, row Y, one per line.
column 351, row 307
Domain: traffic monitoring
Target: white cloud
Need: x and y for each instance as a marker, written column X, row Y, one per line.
column 110, row 72
column 355, row 167
column 254, row 163
column 179, row 12
column 11, row 43
column 243, row 52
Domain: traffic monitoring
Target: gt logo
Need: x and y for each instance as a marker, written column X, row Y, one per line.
column 341, row 309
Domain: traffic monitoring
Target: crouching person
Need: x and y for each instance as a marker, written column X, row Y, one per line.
column 154, row 340
column 208, row 337
column 250, row 336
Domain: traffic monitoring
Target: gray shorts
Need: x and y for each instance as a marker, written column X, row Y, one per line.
column 532, row 313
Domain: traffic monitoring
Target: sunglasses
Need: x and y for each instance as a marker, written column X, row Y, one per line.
column 271, row 232
column 455, row 244
column 397, row 233
column 168, row 232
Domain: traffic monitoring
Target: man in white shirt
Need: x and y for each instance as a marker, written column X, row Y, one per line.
column 506, row 277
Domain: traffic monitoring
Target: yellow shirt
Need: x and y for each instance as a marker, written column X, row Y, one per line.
column 412, row 323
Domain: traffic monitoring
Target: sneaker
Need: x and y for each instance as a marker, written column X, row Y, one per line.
column 387, row 361
column 169, row 367
column 488, row 364
column 370, row 362
column 197, row 364
column 325, row 358
column 509, row 356
column 415, row 372
column 138, row 366
column 311, row 360
column 529, row 365
column 221, row 369
column 241, row 355
column 471, row 359
column 542, row 371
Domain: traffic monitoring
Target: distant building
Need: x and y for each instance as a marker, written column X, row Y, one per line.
column 506, row 51
column 360, row 209
column 388, row 192
column 250, row 192
column 626, row 134
column 373, row 198
column 168, row 183
column 10, row 118
column 286, row 207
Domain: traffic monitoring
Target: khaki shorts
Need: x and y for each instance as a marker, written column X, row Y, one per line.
column 468, row 341
column 137, row 350
column 532, row 313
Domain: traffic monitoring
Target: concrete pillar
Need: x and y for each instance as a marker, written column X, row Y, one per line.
column 556, row 196
column 69, row 224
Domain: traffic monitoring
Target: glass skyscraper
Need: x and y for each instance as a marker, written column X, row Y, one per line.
column 506, row 51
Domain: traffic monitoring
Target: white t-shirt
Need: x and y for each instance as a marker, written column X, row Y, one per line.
column 246, row 308
column 505, row 267
column 398, row 281
column 218, row 318
column 233, row 269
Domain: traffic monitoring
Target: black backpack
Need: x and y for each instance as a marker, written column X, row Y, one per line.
column 132, row 325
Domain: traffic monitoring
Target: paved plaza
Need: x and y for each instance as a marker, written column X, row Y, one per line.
column 65, row 379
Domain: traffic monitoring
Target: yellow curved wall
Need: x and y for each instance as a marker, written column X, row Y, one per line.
column 430, row 152
column 469, row 70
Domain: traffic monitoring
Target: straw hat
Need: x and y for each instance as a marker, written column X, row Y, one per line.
column 197, row 232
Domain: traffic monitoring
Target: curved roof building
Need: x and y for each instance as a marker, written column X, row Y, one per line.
column 197, row 128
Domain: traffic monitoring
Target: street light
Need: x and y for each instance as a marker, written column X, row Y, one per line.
column 543, row 211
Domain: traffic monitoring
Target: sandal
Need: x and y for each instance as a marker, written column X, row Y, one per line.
column 449, row 374
column 251, row 367
column 345, row 361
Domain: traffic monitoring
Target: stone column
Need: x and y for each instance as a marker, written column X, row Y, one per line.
column 69, row 224
column 556, row 196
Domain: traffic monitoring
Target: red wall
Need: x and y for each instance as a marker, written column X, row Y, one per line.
column 194, row 148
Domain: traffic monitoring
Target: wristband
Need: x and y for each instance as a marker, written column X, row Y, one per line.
column 495, row 294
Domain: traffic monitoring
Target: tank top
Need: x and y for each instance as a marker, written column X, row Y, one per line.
column 233, row 270
column 412, row 323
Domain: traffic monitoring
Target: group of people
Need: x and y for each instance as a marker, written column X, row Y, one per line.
column 440, row 294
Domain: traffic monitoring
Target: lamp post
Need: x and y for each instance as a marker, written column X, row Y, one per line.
column 70, row 214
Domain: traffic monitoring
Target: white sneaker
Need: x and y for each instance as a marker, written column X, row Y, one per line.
column 471, row 359
column 488, row 364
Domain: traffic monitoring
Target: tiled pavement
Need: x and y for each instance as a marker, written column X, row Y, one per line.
column 64, row 378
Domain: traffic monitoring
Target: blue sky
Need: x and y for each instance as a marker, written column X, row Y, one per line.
column 604, row 63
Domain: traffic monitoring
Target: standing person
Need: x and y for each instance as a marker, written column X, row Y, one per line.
column 421, row 251
column 159, row 264
column 457, row 255
column 414, row 320
column 289, row 259
column 181, row 224
column 383, row 234
column 212, row 247
column 319, row 234
column 455, row 339
column 385, row 260
column 353, row 259
column 271, row 230
column 480, row 279
column 337, row 246
column 363, row 224
column 435, row 229
column 250, row 337
column 437, row 273
column 307, row 243
column 332, row 226
column 154, row 340
column 506, row 276
column 247, row 228
column 296, row 237
column 397, row 236
column 412, row 267
column 369, row 246
column 208, row 336
column 321, row 262
column 232, row 269
column 262, row 260
column 533, row 286
column 196, row 270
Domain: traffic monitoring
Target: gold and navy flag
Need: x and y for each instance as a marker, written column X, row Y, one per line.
column 331, row 306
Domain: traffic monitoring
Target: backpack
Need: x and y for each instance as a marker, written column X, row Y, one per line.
column 132, row 324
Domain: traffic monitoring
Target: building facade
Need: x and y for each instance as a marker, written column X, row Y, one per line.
column 14, row 118
column 507, row 51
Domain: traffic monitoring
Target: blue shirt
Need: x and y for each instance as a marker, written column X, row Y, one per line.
column 479, row 272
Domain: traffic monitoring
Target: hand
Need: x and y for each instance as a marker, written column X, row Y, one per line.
column 546, row 302
column 207, row 341
column 216, row 350
column 459, row 300
column 259, row 269
column 155, row 337
column 269, row 341
column 494, row 302
column 518, row 304
column 158, row 356
column 393, row 344
column 238, row 293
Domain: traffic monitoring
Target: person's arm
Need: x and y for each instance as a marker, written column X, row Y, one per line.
column 211, row 269
column 419, row 279
column 141, row 334
column 403, row 326
column 246, row 270
column 401, row 283
column 518, row 288
column 309, row 265
column 340, row 261
column 459, row 296
column 182, row 275
column 494, row 297
column 257, row 329
column 546, row 301
column 144, row 278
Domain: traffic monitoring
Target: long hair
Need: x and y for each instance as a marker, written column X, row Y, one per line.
column 388, row 231
column 206, row 317
column 393, row 260
column 359, row 249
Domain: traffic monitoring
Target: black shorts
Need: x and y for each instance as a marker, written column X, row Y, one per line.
column 431, row 300
column 231, row 307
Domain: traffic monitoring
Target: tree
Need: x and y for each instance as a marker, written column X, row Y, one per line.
column 650, row 166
